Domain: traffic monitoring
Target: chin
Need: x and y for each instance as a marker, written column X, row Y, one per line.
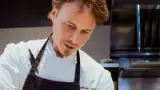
column 66, row 55
column 67, row 52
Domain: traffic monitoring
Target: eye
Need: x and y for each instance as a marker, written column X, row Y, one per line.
column 84, row 32
column 69, row 26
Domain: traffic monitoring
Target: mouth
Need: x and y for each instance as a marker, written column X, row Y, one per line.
column 69, row 46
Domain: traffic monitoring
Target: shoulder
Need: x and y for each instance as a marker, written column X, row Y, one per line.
column 23, row 46
column 19, row 50
column 94, row 71
column 27, row 44
column 16, row 57
column 88, row 63
column 31, row 44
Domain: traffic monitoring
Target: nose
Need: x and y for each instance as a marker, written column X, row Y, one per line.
column 75, row 37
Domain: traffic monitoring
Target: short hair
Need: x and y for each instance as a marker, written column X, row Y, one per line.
column 98, row 7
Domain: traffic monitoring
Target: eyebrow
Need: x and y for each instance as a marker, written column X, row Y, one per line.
column 71, row 23
column 75, row 26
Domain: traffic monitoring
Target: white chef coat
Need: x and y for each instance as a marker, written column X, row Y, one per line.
column 15, row 66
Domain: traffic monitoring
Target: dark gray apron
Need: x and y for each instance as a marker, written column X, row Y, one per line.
column 34, row 82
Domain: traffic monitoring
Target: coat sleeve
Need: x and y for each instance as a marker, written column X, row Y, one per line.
column 9, row 71
column 106, row 82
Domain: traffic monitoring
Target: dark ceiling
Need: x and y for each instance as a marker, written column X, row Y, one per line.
column 33, row 13
column 26, row 13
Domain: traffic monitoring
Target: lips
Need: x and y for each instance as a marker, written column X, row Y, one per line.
column 69, row 46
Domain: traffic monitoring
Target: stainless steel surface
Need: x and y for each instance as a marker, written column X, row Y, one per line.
column 105, row 65
column 130, row 54
column 130, row 31
column 139, row 83
column 139, row 72
column 158, row 6
column 153, row 64
column 138, row 28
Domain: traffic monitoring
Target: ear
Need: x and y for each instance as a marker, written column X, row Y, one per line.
column 53, row 13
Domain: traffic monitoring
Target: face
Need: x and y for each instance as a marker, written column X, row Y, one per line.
column 72, row 27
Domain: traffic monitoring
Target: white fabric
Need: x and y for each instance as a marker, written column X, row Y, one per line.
column 15, row 66
column 61, row 69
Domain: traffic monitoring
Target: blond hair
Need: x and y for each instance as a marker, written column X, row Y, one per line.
column 98, row 7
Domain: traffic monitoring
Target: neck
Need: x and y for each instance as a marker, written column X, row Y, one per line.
column 58, row 54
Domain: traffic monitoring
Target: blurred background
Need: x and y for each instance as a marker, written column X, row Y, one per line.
column 128, row 44
column 135, row 43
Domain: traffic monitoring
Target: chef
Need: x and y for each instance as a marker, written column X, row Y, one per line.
column 57, row 63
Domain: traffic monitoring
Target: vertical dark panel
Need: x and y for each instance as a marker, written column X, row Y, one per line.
column 154, row 29
column 142, row 27
column 149, row 29
column 157, row 32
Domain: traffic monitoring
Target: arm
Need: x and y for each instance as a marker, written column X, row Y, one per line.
column 9, row 72
column 106, row 82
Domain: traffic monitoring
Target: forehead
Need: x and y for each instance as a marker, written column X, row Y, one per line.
column 81, row 16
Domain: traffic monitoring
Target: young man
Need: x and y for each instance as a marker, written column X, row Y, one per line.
column 57, row 63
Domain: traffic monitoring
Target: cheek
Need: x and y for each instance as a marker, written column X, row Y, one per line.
column 62, row 39
column 58, row 33
column 58, row 37
column 83, row 40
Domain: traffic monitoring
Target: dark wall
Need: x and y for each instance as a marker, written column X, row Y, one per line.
column 27, row 13
column 24, row 13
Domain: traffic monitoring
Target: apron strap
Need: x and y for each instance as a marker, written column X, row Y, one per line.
column 32, row 61
column 35, row 62
column 40, row 54
column 77, row 72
